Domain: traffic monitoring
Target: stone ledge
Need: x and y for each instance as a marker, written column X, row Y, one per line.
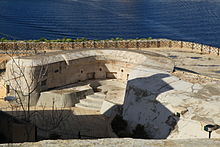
column 128, row 142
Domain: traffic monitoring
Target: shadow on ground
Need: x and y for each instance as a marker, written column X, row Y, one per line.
column 142, row 107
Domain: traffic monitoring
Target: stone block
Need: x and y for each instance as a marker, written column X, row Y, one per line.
column 111, row 44
column 132, row 44
column 123, row 44
column 56, row 46
column 153, row 43
column 89, row 44
column 100, row 44
column 198, row 46
column 144, row 44
column 78, row 45
column 187, row 45
column 66, row 97
column 206, row 49
column 164, row 43
column 214, row 50
column 176, row 44
column 67, row 46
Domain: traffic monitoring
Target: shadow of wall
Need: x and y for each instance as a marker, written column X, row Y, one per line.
column 14, row 130
column 142, row 107
column 61, row 124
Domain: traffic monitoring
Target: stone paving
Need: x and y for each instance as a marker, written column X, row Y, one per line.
column 204, row 64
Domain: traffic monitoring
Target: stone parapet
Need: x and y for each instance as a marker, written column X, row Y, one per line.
column 128, row 142
column 35, row 47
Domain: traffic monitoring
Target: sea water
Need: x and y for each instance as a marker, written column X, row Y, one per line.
column 188, row 20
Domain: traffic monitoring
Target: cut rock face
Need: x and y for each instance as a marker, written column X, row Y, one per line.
column 169, row 107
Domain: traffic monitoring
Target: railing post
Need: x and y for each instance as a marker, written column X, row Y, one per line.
column 158, row 44
column 181, row 44
column 192, row 46
column 201, row 47
column 170, row 44
column 94, row 44
column 137, row 44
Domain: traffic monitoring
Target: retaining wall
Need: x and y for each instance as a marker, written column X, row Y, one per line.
column 37, row 47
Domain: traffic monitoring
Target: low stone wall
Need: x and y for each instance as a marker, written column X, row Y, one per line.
column 128, row 142
column 37, row 47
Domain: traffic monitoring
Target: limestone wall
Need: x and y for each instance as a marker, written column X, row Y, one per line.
column 45, row 71
column 35, row 47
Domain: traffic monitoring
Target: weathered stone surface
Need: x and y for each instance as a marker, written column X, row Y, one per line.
column 169, row 107
column 85, row 64
column 121, row 143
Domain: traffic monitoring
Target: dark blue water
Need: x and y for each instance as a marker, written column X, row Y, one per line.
column 190, row 20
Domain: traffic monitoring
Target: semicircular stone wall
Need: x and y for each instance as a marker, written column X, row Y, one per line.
column 67, row 67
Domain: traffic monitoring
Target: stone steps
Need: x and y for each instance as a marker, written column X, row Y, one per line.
column 100, row 94
column 80, row 105
column 106, row 88
column 95, row 96
column 92, row 102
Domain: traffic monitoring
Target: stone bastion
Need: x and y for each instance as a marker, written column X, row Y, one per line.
column 165, row 105
column 47, row 71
